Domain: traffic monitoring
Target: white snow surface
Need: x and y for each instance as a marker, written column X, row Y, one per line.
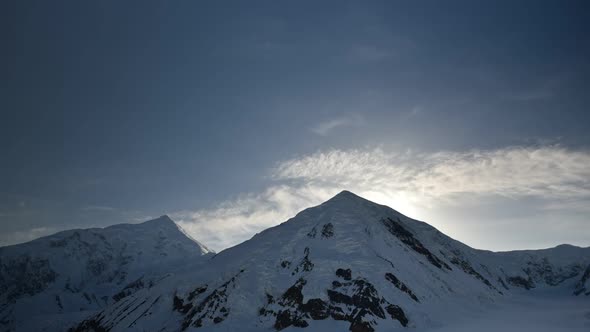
column 347, row 264
column 539, row 311
column 63, row 278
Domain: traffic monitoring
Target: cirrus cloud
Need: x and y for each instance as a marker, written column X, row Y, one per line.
column 547, row 171
column 410, row 182
column 326, row 127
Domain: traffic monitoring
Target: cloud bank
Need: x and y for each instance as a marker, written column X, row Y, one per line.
column 409, row 182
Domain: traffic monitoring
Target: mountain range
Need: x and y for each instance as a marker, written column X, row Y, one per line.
column 346, row 265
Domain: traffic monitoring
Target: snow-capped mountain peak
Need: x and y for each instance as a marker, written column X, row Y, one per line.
column 73, row 273
column 346, row 264
column 162, row 220
column 165, row 224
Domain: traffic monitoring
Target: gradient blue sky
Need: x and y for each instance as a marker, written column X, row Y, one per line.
column 231, row 116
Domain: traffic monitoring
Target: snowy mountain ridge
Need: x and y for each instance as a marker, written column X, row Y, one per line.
column 347, row 264
column 76, row 272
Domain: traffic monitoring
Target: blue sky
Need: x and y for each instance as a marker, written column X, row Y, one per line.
column 225, row 115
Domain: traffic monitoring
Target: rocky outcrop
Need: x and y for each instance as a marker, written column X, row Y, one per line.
column 305, row 265
column 583, row 285
column 400, row 285
column 353, row 300
column 406, row 237
column 466, row 266
column 212, row 309
column 345, row 274
column 518, row 281
column 131, row 288
column 327, row 230
column 543, row 271
column 125, row 308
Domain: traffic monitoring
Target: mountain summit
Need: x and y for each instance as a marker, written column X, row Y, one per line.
column 345, row 194
column 64, row 277
column 348, row 200
column 163, row 219
column 347, row 264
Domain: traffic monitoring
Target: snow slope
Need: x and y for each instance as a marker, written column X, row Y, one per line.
column 347, row 264
column 50, row 282
column 537, row 311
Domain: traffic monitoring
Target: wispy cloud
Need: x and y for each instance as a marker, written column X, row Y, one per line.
column 234, row 221
column 406, row 181
column 327, row 127
column 547, row 172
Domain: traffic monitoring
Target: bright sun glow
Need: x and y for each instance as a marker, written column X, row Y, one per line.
column 402, row 202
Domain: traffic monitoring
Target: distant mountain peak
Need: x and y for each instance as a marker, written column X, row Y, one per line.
column 348, row 198
column 83, row 270
column 352, row 204
column 346, row 264
column 165, row 222
column 162, row 222
column 164, row 219
column 345, row 194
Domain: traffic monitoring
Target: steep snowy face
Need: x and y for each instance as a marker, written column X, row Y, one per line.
column 530, row 269
column 347, row 264
column 79, row 271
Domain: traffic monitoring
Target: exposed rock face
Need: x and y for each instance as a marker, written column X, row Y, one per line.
column 521, row 282
column 355, row 301
column 464, row 265
column 502, row 283
column 305, row 265
column 179, row 303
column 132, row 288
column 395, row 228
column 543, row 270
column 327, row 230
column 345, row 274
column 213, row 308
column 583, row 286
column 400, row 285
column 312, row 233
